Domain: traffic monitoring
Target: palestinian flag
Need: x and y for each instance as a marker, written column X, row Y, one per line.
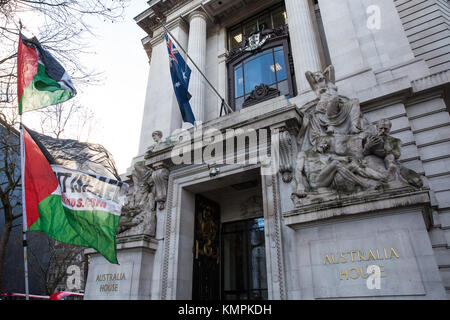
column 69, row 205
column 41, row 80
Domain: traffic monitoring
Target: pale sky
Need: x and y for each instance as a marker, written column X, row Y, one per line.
column 119, row 101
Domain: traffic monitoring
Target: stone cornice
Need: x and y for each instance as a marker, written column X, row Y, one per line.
column 158, row 36
column 264, row 115
column 359, row 205
column 434, row 80
column 149, row 19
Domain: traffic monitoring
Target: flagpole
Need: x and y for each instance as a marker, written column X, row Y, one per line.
column 224, row 103
column 24, row 210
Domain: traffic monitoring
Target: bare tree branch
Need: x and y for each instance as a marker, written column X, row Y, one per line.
column 65, row 29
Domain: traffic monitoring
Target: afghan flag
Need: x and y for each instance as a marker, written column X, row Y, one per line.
column 41, row 80
column 70, row 206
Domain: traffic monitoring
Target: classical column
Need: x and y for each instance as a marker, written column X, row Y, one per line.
column 197, row 52
column 305, row 49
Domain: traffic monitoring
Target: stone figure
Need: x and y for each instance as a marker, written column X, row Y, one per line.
column 157, row 137
column 388, row 148
column 341, row 154
column 138, row 213
column 384, row 146
column 159, row 143
column 318, row 168
column 330, row 113
column 160, row 178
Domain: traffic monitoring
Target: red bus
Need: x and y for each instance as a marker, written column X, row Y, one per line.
column 63, row 295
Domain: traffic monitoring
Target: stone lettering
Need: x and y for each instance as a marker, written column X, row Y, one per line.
column 111, row 280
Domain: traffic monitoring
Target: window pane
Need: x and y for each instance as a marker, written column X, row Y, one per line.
column 283, row 87
column 280, row 66
column 238, row 103
column 264, row 22
column 235, row 266
column 258, row 262
column 236, row 37
column 279, row 17
column 238, row 82
column 259, row 71
column 250, row 27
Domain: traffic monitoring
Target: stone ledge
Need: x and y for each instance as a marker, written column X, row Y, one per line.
column 358, row 205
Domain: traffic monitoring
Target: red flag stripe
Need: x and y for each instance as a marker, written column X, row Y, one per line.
column 40, row 181
column 27, row 61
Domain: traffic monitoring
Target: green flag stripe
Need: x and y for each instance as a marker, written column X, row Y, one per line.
column 94, row 229
column 98, row 228
column 43, row 91
column 52, row 221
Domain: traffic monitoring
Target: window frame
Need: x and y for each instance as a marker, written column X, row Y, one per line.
column 279, row 41
column 268, row 11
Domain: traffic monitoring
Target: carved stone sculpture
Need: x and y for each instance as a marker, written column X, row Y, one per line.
column 341, row 154
column 330, row 113
column 138, row 214
column 286, row 169
column 259, row 94
column 160, row 178
column 157, row 136
column 388, row 148
column 159, row 143
column 256, row 40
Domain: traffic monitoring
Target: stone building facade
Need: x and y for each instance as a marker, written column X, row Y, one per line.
column 347, row 101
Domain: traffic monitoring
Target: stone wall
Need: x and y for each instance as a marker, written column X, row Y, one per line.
column 423, row 125
column 430, row 124
column 426, row 24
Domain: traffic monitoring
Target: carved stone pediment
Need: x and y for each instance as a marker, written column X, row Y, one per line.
column 257, row 40
column 259, row 94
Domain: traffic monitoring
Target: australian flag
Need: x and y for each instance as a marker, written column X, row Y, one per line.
column 181, row 73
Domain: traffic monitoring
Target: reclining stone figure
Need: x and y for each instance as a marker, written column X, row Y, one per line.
column 318, row 168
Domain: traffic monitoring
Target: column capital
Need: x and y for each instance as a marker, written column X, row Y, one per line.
column 199, row 13
column 178, row 22
column 156, row 39
column 158, row 36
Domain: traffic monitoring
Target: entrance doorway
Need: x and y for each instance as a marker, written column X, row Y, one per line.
column 244, row 275
column 229, row 258
column 206, row 265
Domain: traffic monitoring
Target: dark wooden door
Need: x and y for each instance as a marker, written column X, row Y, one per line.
column 206, row 277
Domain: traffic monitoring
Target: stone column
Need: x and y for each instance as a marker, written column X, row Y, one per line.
column 197, row 52
column 305, row 49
